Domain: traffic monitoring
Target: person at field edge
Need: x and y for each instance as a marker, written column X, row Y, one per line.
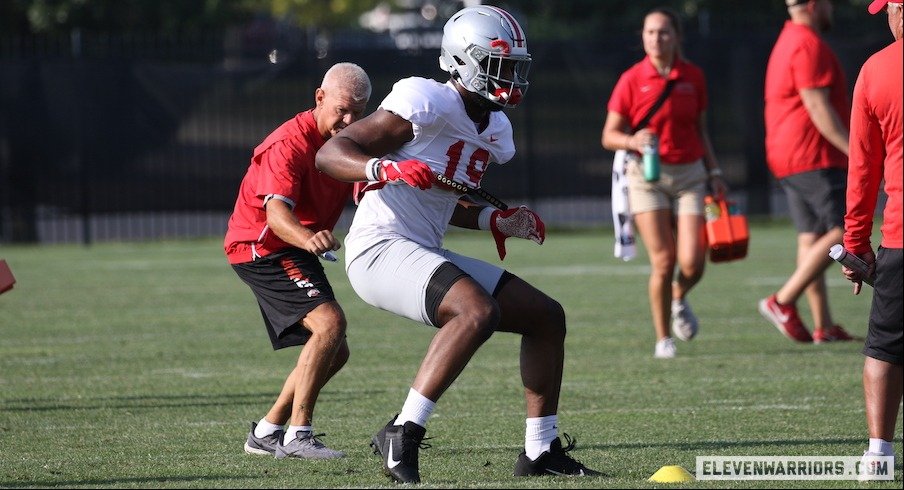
column 876, row 145
column 395, row 260
column 282, row 222
column 668, row 213
column 807, row 113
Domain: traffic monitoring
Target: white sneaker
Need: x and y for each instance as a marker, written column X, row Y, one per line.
column 665, row 349
column 869, row 465
column 684, row 322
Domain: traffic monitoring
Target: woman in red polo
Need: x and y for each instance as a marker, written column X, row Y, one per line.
column 668, row 213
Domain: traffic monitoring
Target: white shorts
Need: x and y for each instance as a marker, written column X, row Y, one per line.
column 393, row 275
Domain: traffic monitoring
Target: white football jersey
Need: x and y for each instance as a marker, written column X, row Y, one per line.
column 446, row 139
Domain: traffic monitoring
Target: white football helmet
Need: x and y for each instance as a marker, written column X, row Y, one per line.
column 485, row 48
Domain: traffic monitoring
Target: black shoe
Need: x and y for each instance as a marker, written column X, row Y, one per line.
column 556, row 461
column 398, row 446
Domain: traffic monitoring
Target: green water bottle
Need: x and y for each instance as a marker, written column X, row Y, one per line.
column 651, row 160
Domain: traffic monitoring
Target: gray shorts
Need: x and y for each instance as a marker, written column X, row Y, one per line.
column 680, row 188
column 395, row 275
column 816, row 199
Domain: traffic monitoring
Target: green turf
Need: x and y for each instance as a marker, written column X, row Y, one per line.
column 141, row 365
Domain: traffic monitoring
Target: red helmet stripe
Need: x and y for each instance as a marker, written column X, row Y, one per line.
column 516, row 29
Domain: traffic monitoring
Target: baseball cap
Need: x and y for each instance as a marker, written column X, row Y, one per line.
column 877, row 5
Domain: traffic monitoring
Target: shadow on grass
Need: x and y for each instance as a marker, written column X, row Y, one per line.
column 690, row 445
column 154, row 401
column 111, row 482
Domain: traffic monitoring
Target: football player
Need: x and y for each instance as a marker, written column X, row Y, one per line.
column 394, row 254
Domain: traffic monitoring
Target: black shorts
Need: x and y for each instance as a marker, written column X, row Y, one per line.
column 288, row 284
column 885, row 339
column 816, row 199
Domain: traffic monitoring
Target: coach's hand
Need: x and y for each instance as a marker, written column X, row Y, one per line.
column 413, row 172
column 518, row 222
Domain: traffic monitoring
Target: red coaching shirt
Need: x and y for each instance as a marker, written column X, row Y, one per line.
column 876, row 144
column 677, row 122
column 801, row 60
column 282, row 167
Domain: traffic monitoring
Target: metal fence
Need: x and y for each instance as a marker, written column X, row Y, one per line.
column 143, row 136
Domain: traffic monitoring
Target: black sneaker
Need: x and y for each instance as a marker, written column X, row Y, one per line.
column 556, row 461
column 398, row 446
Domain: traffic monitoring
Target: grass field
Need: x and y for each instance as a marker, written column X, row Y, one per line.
column 142, row 365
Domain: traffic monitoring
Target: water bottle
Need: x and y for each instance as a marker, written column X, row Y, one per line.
column 651, row 160
column 843, row 256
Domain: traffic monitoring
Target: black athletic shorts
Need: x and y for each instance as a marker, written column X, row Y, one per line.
column 288, row 284
column 816, row 199
column 885, row 339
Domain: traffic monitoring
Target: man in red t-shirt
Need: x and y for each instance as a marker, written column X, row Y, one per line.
column 806, row 112
column 282, row 222
column 877, row 154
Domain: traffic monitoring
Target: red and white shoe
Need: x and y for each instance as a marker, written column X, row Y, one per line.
column 785, row 319
column 832, row 334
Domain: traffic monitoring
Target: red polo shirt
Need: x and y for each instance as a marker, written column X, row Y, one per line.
column 677, row 122
column 800, row 59
column 283, row 166
column 876, row 150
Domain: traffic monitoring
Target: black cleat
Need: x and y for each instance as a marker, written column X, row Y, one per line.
column 555, row 462
column 398, row 446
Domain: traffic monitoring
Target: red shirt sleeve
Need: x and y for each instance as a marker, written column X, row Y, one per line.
column 621, row 99
column 811, row 66
column 279, row 176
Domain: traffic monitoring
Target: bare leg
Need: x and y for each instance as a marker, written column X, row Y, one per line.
column 325, row 353
column 883, row 384
column 812, row 261
column 541, row 322
column 655, row 228
column 468, row 316
column 691, row 254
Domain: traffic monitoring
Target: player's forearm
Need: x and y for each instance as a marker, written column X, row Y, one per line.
column 342, row 159
column 465, row 214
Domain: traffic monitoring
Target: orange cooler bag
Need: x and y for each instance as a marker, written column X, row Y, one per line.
column 726, row 230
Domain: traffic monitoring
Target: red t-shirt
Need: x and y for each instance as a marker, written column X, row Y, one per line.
column 801, row 60
column 283, row 166
column 876, row 150
column 677, row 122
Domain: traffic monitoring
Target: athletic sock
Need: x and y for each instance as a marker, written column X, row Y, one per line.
column 292, row 432
column 540, row 433
column 417, row 409
column 265, row 428
column 881, row 446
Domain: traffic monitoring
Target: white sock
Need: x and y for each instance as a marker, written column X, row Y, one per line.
column 265, row 428
column 417, row 409
column 540, row 433
column 881, row 446
column 292, row 432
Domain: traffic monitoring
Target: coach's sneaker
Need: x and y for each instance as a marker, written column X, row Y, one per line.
column 306, row 445
column 262, row 445
column 665, row 349
column 556, row 462
column 684, row 322
column 785, row 319
column 398, row 445
column 834, row 333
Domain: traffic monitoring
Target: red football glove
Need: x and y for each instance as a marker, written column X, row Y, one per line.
column 517, row 222
column 413, row 172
